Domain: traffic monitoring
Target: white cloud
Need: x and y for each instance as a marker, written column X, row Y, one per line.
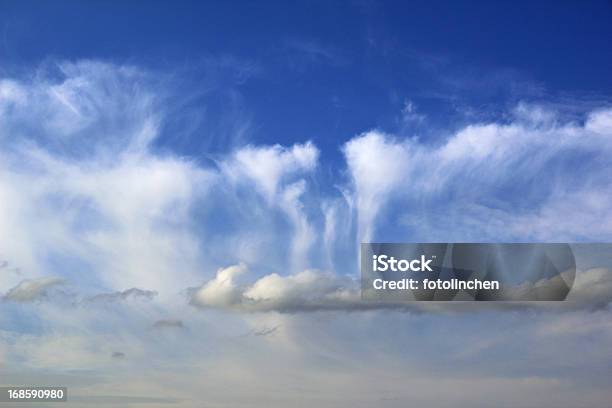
column 270, row 166
column 304, row 233
column 105, row 200
column 600, row 122
column 222, row 290
column 79, row 180
column 108, row 105
column 377, row 165
column 537, row 173
column 278, row 173
column 309, row 290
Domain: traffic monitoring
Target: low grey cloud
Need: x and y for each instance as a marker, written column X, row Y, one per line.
column 169, row 324
column 133, row 293
column 30, row 290
column 265, row 331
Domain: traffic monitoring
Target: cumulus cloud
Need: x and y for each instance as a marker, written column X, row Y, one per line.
column 303, row 291
column 30, row 290
column 311, row 291
column 223, row 289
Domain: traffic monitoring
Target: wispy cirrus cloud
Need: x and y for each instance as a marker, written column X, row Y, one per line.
column 489, row 181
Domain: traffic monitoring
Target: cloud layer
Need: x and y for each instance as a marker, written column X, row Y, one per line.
column 90, row 197
column 94, row 196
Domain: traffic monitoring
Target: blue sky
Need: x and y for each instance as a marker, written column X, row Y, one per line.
column 183, row 187
column 350, row 65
